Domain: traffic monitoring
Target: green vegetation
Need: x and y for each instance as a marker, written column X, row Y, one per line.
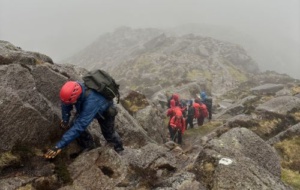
column 207, row 75
column 291, row 178
column 235, row 72
column 295, row 90
column 193, row 74
column 134, row 102
column 7, row 159
column 203, row 130
column 26, row 187
column 62, row 171
column 290, row 160
column 23, row 151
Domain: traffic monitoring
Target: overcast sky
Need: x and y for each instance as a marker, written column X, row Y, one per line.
column 59, row 28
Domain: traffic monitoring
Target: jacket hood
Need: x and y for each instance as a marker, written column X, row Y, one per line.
column 203, row 95
column 175, row 97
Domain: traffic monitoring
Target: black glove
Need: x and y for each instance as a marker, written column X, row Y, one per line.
column 51, row 153
column 63, row 125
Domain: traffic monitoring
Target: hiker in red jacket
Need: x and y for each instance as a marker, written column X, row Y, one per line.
column 203, row 113
column 174, row 99
column 170, row 113
column 177, row 124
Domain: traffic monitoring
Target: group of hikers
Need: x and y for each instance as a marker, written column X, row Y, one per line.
column 182, row 113
column 93, row 99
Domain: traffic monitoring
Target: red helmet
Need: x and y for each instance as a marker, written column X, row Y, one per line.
column 70, row 92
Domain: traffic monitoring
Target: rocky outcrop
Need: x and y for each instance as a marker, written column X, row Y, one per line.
column 239, row 159
column 280, row 105
column 267, row 89
column 231, row 156
column 149, row 60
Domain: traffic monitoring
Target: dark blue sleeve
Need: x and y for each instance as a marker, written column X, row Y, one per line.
column 66, row 112
column 90, row 108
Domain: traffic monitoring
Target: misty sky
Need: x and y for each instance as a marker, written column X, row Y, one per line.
column 59, row 28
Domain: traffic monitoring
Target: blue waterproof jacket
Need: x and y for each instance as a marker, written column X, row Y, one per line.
column 87, row 108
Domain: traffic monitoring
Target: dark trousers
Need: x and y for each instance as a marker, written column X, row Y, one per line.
column 189, row 122
column 176, row 136
column 209, row 109
column 170, row 130
column 85, row 140
column 200, row 120
column 107, row 126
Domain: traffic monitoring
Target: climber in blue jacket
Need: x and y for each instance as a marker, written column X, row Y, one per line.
column 89, row 105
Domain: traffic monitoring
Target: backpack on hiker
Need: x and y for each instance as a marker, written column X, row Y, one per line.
column 203, row 110
column 196, row 107
column 208, row 102
column 103, row 83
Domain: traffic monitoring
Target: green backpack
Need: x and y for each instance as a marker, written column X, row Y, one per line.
column 103, row 83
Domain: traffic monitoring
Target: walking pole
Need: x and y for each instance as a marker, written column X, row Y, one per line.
column 176, row 134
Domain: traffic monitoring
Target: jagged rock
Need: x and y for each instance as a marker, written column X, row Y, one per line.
column 291, row 132
column 182, row 181
column 239, row 159
column 267, row 89
column 130, row 130
column 27, row 102
column 151, row 120
column 229, row 158
column 297, row 95
column 236, row 108
column 10, row 53
column 155, row 59
column 280, row 105
column 150, row 90
column 284, row 92
column 15, row 182
column 100, row 168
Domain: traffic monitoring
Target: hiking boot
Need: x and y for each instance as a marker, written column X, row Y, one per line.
column 119, row 149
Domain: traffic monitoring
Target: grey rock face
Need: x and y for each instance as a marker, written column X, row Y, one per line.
column 280, row 105
column 267, row 89
column 291, row 132
column 10, row 53
column 234, row 159
column 239, row 159
column 152, row 121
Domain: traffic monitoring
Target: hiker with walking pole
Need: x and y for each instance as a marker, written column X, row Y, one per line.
column 177, row 124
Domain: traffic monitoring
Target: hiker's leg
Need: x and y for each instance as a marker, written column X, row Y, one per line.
column 186, row 123
column 172, row 133
column 200, row 120
column 107, row 126
column 170, row 129
column 85, row 140
column 210, row 114
column 179, row 137
column 190, row 122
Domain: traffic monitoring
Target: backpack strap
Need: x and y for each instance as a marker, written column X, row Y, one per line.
column 88, row 90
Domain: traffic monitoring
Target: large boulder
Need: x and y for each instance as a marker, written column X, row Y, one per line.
column 239, row 159
column 293, row 131
column 280, row 105
column 267, row 89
